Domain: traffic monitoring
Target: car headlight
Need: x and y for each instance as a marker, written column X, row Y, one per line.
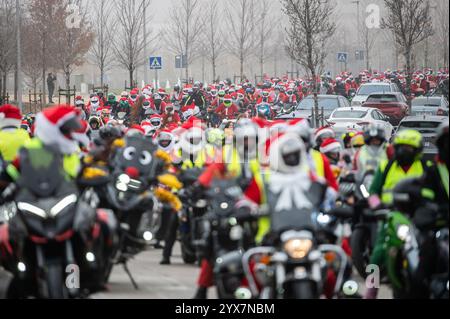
column 298, row 248
column 403, row 232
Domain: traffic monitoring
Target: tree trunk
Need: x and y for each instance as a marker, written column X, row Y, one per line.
column 67, row 75
column 4, row 83
column 316, row 98
column 131, row 77
column 408, row 58
column 102, row 74
column 214, row 70
column 242, row 68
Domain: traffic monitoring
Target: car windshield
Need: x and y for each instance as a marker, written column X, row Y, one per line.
column 420, row 125
column 385, row 98
column 326, row 103
column 369, row 89
column 427, row 102
column 349, row 114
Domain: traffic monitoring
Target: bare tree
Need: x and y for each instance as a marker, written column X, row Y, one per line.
column 264, row 31
column 74, row 41
column 43, row 16
column 7, row 42
column 184, row 32
column 410, row 22
column 104, row 27
column 307, row 36
column 241, row 25
column 31, row 66
column 214, row 36
column 130, row 40
column 442, row 29
column 368, row 36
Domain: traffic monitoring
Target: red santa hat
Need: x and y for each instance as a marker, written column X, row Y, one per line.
column 135, row 130
column 49, row 123
column 81, row 135
column 330, row 145
column 325, row 130
column 10, row 116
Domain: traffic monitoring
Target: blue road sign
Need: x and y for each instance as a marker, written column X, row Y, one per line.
column 342, row 57
column 155, row 63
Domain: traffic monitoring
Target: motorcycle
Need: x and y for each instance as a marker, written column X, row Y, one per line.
column 296, row 264
column 194, row 208
column 417, row 248
column 229, row 229
column 365, row 225
column 129, row 194
column 58, row 249
column 286, row 109
column 122, row 118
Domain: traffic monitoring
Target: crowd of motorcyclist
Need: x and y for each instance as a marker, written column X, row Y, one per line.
column 206, row 134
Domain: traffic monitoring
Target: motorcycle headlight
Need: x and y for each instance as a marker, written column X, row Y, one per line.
column 298, row 248
column 236, row 233
column 403, row 232
column 32, row 209
column 323, row 219
column 63, row 204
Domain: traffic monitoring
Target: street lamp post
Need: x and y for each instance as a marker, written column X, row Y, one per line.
column 358, row 28
column 19, row 57
column 145, row 42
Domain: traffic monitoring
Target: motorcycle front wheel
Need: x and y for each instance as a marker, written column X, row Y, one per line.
column 301, row 290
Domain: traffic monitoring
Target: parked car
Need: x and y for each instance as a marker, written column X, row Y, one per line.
column 348, row 119
column 393, row 105
column 431, row 105
column 367, row 89
column 427, row 126
column 329, row 103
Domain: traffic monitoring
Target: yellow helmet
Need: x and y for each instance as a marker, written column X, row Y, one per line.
column 409, row 137
column 358, row 141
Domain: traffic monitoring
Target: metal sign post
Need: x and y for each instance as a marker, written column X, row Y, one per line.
column 156, row 64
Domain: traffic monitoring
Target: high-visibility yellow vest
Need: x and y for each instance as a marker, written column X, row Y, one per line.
column 11, row 142
column 395, row 175
column 318, row 163
column 71, row 163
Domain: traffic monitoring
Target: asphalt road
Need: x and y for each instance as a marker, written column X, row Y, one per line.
column 176, row 281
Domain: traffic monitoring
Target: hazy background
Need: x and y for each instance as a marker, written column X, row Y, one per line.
column 383, row 55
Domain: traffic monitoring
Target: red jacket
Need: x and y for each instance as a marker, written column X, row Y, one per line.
column 171, row 119
column 229, row 113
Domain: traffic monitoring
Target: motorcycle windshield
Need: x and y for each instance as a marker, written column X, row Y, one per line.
column 292, row 220
column 41, row 171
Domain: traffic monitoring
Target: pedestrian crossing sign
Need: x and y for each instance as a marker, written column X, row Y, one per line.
column 155, row 63
column 342, row 57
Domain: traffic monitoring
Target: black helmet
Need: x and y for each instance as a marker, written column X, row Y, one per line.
column 405, row 195
column 441, row 133
column 374, row 131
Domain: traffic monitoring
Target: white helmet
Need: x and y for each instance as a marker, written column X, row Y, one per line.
column 246, row 135
column 287, row 154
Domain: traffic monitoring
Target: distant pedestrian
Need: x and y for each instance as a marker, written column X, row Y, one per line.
column 51, row 79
